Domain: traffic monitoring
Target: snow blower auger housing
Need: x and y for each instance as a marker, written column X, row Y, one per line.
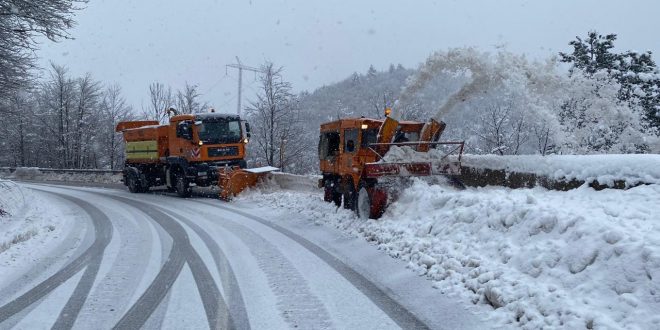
column 360, row 158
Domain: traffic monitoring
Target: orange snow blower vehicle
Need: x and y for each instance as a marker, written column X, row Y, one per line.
column 191, row 150
column 356, row 169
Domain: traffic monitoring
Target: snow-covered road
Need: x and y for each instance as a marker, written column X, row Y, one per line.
column 156, row 261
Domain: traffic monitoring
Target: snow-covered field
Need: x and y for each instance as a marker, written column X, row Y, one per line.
column 536, row 258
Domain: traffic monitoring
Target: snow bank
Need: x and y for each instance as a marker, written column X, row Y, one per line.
column 633, row 169
column 11, row 198
column 536, row 258
column 17, row 223
column 34, row 226
column 277, row 181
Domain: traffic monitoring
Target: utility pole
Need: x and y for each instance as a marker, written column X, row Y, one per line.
column 240, row 68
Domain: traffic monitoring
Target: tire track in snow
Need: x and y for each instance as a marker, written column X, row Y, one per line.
column 228, row 279
column 298, row 305
column 182, row 251
column 402, row 316
column 91, row 258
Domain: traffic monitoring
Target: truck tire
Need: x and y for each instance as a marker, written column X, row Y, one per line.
column 350, row 197
column 133, row 183
column 330, row 194
column 182, row 187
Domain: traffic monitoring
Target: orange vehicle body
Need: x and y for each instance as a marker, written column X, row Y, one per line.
column 188, row 151
column 351, row 163
column 350, row 159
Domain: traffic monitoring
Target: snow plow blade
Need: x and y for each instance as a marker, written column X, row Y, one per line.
column 233, row 180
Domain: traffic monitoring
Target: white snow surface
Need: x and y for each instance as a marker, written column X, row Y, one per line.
column 633, row 169
column 398, row 154
column 30, row 230
column 535, row 258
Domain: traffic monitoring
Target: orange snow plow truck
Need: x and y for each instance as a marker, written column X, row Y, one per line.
column 192, row 150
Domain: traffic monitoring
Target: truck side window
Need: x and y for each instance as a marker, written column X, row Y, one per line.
column 350, row 139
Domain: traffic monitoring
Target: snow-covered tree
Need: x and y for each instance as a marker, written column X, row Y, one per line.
column 275, row 117
column 596, row 120
column 21, row 23
column 113, row 109
column 636, row 73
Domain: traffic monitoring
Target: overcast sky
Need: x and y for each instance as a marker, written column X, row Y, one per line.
column 134, row 43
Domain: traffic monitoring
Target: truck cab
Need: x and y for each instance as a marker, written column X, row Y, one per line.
column 216, row 139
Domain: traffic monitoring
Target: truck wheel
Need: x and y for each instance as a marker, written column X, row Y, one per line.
column 336, row 198
column 133, row 183
column 328, row 194
column 182, row 187
column 350, row 198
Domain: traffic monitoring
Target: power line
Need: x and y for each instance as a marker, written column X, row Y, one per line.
column 240, row 68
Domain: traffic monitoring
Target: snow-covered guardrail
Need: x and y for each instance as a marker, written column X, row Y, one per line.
column 281, row 180
column 561, row 172
column 52, row 174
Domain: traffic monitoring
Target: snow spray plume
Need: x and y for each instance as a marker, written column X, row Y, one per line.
column 455, row 61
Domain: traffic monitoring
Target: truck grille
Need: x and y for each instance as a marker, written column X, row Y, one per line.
column 223, row 151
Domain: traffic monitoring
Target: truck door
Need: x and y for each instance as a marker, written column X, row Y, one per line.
column 350, row 148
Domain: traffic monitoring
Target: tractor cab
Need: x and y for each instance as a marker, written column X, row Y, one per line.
column 347, row 144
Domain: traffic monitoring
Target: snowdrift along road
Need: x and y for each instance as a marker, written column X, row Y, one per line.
column 535, row 257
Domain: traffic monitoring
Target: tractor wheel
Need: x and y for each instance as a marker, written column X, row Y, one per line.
column 182, row 187
column 328, row 194
column 371, row 202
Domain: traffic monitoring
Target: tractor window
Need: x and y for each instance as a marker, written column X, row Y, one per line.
column 406, row 137
column 369, row 136
column 350, row 140
column 328, row 145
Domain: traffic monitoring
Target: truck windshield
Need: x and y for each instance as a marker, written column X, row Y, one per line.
column 220, row 131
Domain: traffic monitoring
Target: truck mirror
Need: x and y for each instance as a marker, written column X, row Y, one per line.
column 184, row 130
column 247, row 130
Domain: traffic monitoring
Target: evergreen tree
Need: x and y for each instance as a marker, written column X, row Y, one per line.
column 371, row 72
column 636, row 74
column 592, row 54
